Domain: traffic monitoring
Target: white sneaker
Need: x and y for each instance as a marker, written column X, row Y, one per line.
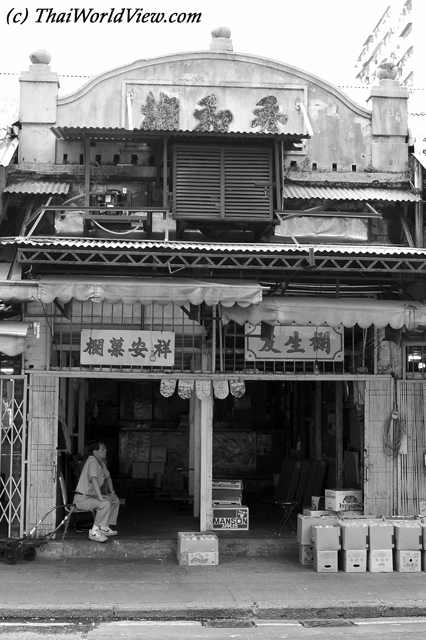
column 97, row 535
column 107, row 531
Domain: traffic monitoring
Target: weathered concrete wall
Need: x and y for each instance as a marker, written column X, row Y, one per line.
column 342, row 129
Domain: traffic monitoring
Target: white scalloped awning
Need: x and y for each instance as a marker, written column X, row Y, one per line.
column 159, row 290
column 12, row 337
column 18, row 291
column 331, row 312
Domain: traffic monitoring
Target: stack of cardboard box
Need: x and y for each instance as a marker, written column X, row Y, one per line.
column 408, row 546
column 228, row 511
column 380, row 545
column 304, row 524
column 325, row 539
column 354, row 534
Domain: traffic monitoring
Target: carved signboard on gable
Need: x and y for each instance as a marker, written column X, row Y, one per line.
column 224, row 109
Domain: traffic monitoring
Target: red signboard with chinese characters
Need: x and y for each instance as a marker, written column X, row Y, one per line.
column 295, row 343
column 127, row 348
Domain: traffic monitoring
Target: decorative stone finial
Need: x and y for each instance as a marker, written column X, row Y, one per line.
column 221, row 39
column 221, row 32
column 40, row 57
column 386, row 71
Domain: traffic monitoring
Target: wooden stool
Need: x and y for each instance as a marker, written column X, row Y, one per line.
column 286, row 509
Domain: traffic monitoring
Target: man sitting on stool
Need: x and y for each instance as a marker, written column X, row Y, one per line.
column 88, row 495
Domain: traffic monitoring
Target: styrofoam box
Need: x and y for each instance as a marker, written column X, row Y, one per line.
column 198, row 558
column 380, row 560
column 325, row 561
column 139, row 469
column 227, row 484
column 192, row 541
column 306, row 554
column 354, row 560
column 304, row 524
column 315, row 514
column 408, row 561
column 325, row 537
column 354, row 535
column 380, row 535
column 158, row 454
column 343, row 499
column 408, row 536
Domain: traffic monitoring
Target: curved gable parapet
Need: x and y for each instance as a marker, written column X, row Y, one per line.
column 187, row 69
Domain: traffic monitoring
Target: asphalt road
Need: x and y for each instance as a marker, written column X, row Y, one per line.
column 372, row 629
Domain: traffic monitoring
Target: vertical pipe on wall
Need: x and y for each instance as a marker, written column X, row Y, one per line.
column 418, row 184
column 86, row 142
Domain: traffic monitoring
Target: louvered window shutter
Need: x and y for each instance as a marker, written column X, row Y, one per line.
column 248, row 188
column 222, row 182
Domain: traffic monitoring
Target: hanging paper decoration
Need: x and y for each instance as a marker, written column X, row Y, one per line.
column 237, row 387
column 167, row 387
column 221, row 389
column 202, row 388
column 185, row 388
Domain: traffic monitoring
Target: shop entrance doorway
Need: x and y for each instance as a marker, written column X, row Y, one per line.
column 151, row 446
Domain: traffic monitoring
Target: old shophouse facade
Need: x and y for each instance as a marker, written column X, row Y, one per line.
column 220, row 254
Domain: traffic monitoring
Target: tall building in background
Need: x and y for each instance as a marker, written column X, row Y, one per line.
column 398, row 40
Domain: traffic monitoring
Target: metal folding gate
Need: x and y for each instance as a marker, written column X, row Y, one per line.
column 13, row 444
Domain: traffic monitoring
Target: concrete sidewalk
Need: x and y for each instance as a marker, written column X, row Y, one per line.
column 241, row 587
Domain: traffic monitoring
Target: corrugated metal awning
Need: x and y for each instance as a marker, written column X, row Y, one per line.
column 147, row 291
column 12, row 337
column 420, row 158
column 292, row 192
column 38, row 187
column 239, row 248
column 332, row 312
column 119, row 133
column 7, row 149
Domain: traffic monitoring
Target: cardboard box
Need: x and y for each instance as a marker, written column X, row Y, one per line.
column 306, row 554
column 380, row 560
column 172, row 481
column 304, row 524
column 354, row 560
column 158, row 454
column 140, row 470
column 220, row 493
column 228, row 484
column 408, row 536
column 318, row 502
column 174, row 459
column 155, row 468
column 198, row 559
column 230, row 518
column 227, row 503
column 343, row 499
column 380, row 536
column 407, row 561
column 354, row 535
column 325, row 561
column 325, row 537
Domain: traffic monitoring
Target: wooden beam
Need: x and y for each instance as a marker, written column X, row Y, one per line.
column 194, row 428
column 86, row 141
column 81, row 417
column 339, row 435
column 317, row 421
column 206, row 455
column 402, row 217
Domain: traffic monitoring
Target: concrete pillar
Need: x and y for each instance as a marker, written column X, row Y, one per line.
column 389, row 126
column 38, row 106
